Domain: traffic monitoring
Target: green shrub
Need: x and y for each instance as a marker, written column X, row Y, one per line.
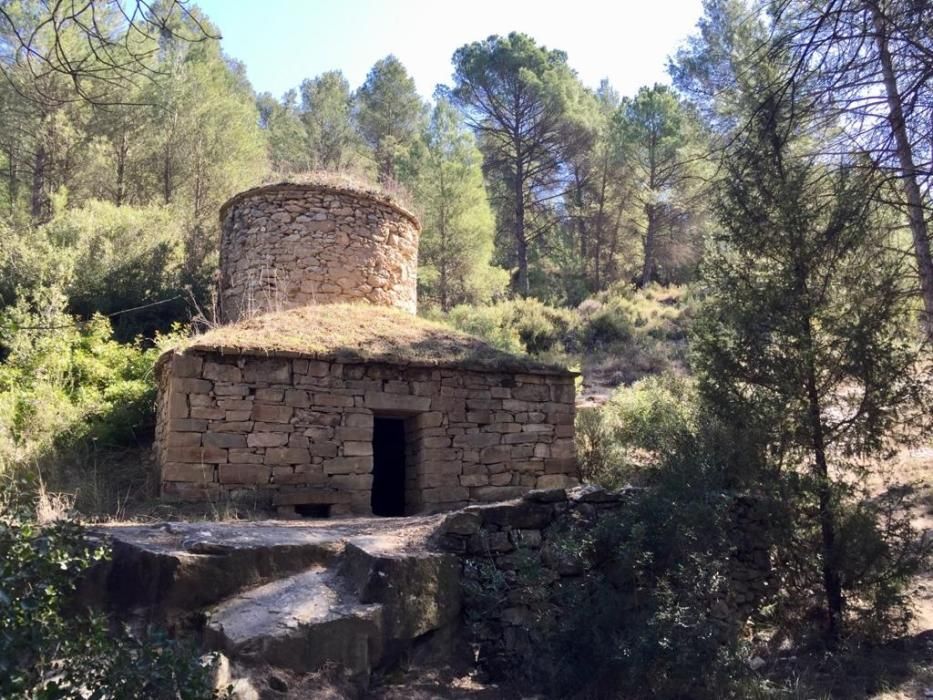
column 68, row 388
column 491, row 323
column 107, row 259
column 520, row 325
column 654, row 414
column 637, row 429
column 52, row 649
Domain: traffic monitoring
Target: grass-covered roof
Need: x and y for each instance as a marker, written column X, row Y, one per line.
column 361, row 333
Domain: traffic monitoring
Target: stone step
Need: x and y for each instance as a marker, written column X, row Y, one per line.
column 171, row 567
column 300, row 623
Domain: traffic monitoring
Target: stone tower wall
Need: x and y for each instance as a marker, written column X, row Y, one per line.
column 288, row 245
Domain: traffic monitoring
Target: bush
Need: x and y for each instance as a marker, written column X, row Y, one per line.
column 51, row 649
column 107, row 259
column 637, row 429
column 67, row 387
column 520, row 325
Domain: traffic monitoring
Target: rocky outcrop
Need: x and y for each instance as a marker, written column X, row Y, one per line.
column 350, row 594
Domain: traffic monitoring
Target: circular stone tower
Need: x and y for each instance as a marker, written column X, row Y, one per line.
column 291, row 245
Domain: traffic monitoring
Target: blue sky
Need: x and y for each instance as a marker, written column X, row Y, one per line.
column 284, row 41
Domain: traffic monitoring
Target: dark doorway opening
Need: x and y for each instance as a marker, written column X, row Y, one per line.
column 388, row 497
column 313, row 510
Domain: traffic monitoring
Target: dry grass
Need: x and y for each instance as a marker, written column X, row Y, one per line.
column 361, row 333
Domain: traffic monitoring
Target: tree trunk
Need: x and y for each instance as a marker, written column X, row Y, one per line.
column 831, row 580
column 918, row 225
column 13, row 175
column 122, row 153
column 648, row 267
column 521, row 243
column 39, row 208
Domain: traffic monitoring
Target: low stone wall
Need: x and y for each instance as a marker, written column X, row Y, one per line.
column 287, row 245
column 290, row 429
column 527, row 563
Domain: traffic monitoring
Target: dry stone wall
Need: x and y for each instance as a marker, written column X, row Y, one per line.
column 526, row 566
column 289, row 429
column 286, row 245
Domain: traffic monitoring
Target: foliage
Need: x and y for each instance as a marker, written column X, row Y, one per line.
column 326, row 110
column 521, row 99
column 659, row 142
column 456, row 243
column 65, row 385
column 521, row 324
column 51, row 648
column 390, row 116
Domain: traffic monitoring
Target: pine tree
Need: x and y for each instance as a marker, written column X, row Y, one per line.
column 802, row 341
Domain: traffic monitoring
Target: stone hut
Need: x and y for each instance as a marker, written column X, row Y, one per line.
column 326, row 395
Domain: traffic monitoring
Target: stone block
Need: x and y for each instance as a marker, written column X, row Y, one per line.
column 431, row 419
column 208, row 413
column 196, row 455
column 187, row 385
column 296, row 397
column 200, row 400
column 379, row 401
column 563, row 448
column 546, row 494
column 495, row 453
column 272, row 413
column 564, row 392
column 178, row 405
column 354, row 434
column 474, row 480
column 335, row 400
column 446, row 494
column 221, row 372
column 478, row 440
column 496, row 493
column 317, row 368
column 175, row 439
column 244, row 456
column 352, row 482
column 526, row 538
column 224, row 440
column 271, row 371
column 270, row 395
column 186, row 366
column 221, row 389
column 357, row 449
column 238, row 416
column 243, row 474
column 520, row 438
column 323, row 449
column 259, row 427
column 348, row 465
column 267, row 439
column 231, row 426
column 503, row 478
column 462, row 523
column 287, row 455
column 532, row 392
column 320, row 496
column 358, row 420
column 173, row 471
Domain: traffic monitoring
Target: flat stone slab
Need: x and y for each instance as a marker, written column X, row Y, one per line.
column 299, row 623
column 177, row 566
